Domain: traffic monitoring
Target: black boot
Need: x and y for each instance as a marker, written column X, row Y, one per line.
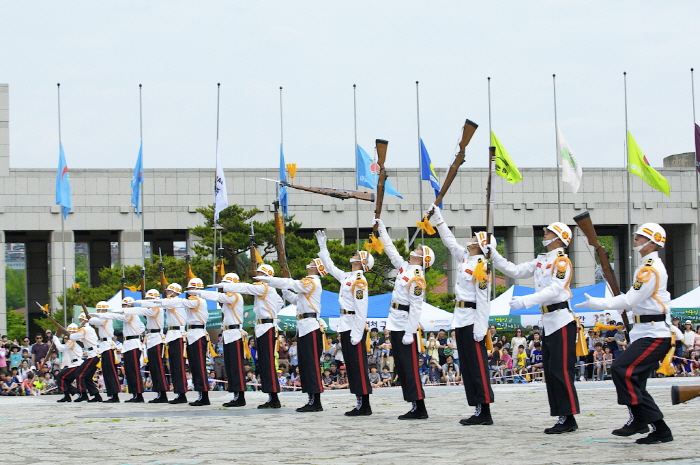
column 362, row 409
column 660, row 433
column 482, row 416
column 273, row 401
column 417, row 412
column 137, row 399
column 237, row 401
column 179, row 399
column 112, row 400
column 161, row 399
column 635, row 424
column 96, row 398
column 83, row 397
column 565, row 424
column 65, row 398
column 313, row 405
column 202, row 400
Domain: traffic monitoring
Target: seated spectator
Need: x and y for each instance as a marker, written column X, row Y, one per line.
column 435, row 372
column 9, row 387
column 326, row 364
column 598, row 362
column 281, row 379
column 506, row 362
column 251, row 382
column 334, row 372
column 385, row 377
column 495, row 359
column 15, row 357
column 536, row 363
column 28, row 388
column 423, row 371
column 607, row 361
column 342, row 381
column 49, row 384
column 327, row 380
column 451, row 374
column 374, row 379
column 521, row 361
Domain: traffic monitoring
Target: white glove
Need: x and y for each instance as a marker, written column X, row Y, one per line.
column 437, row 215
column 478, row 337
column 377, row 221
column 493, row 252
column 407, row 339
column 321, row 238
column 194, row 292
column 354, row 341
column 585, row 303
column 218, row 285
column 116, row 310
column 516, row 303
column 263, row 279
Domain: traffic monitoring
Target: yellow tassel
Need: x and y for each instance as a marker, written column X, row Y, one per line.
column 666, row 368
column 292, row 170
column 277, row 342
column 426, row 226
column 419, row 334
column 326, row 344
column 258, row 258
column 368, row 341
column 99, row 364
column 280, row 224
column 481, row 273
column 600, row 325
column 167, row 353
column 145, row 358
column 581, row 344
column 134, row 288
column 527, row 377
column 374, row 244
column 489, row 342
column 246, row 347
column 212, row 351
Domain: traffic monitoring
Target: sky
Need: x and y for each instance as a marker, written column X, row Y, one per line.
column 316, row 50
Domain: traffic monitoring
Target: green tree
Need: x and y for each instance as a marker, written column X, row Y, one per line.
column 81, row 269
column 14, row 289
column 16, row 326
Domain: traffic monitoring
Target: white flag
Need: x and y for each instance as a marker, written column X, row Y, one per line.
column 220, row 194
column 571, row 170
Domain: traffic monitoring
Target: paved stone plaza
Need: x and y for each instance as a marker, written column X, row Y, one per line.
column 38, row 430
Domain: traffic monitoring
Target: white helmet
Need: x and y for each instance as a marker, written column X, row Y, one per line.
column 71, row 328
column 195, row 283
column 83, row 316
column 102, row 305
column 175, row 287
column 152, row 294
column 266, row 270
column 428, row 256
column 654, row 232
column 230, row 278
column 127, row 300
column 562, row 231
column 366, row 259
column 318, row 264
column 482, row 238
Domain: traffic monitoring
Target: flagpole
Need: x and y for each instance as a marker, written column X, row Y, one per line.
column 63, row 227
column 213, row 251
column 697, row 175
column 490, row 207
column 143, row 221
column 357, row 202
column 629, row 196
column 420, row 162
column 556, row 139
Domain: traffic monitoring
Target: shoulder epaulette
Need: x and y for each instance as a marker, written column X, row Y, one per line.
column 416, row 272
column 649, row 262
column 560, row 253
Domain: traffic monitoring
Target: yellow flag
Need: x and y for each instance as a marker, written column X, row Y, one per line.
column 639, row 165
column 504, row 165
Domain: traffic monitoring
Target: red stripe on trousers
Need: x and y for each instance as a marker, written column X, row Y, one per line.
column 363, row 368
column 628, row 372
column 114, row 369
column 416, row 376
column 182, row 363
column 203, row 363
column 565, row 368
column 271, row 357
column 484, row 378
column 239, row 357
column 159, row 363
column 316, row 359
column 137, row 365
column 83, row 369
column 63, row 378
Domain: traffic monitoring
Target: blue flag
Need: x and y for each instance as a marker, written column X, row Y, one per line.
column 368, row 173
column 63, row 194
column 284, row 205
column 136, row 181
column 427, row 170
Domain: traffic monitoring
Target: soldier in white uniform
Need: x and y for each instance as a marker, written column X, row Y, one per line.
column 155, row 343
column 197, row 338
column 131, row 347
column 175, row 317
column 107, row 351
column 72, row 359
column 87, row 337
column 232, row 309
column 309, row 334
column 353, row 298
column 650, row 338
column 267, row 304
column 552, row 273
column 404, row 318
column 471, row 317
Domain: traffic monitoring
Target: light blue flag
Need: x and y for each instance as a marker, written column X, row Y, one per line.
column 283, row 189
column 427, row 170
column 63, row 193
column 136, row 181
column 368, row 173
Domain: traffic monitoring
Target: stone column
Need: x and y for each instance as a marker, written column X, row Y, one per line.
column 130, row 247
column 57, row 260
column 3, row 296
column 4, row 131
column 581, row 256
column 520, row 247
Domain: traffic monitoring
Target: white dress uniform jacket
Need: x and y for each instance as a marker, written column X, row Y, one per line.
column 552, row 273
column 196, row 313
column 88, row 338
column 155, row 317
column 105, row 331
column 72, row 352
column 267, row 302
column 232, row 309
column 132, row 327
column 353, row 296
column 307, row 299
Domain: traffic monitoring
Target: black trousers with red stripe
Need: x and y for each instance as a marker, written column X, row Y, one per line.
column 132, row 370
column 109, row 372
column 406, row 366
column 310, row 348
column 631, row 369
column 559, row 359
column 197, row 359
column 176, row 363
column 473, row 363
column 157, row 368
column 265, row 345
column 65, row 378
column 356, row 364
column 85, row 373
column 233, row 363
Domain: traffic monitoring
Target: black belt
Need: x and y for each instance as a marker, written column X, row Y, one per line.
column 465, row 304
column 74, row 360
column 104, row 339
column 195, row 327
column 306, row 315
column 347, row 312
column 128, row 338
column 263, row 321
column 89, row 348
column 175, row 328
column 554, row 307
column 403, row 307
column 231, row 327
column 154, row 331
column 649, row 318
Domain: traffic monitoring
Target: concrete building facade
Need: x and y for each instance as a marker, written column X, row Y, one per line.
column 102, row 213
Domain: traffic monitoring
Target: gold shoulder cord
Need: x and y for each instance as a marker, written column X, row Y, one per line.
column 561, row 263
column 267, row 288
column 644, row 275
column 233, row 305
column 308, row 282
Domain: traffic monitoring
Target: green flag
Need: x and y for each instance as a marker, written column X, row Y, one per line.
column 639, row 165
column 504, row 165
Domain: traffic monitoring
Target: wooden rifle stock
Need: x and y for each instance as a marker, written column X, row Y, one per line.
column 681, row 394
column 60, row 330
column 585, row 223
column 161, row 275
column 80, row 297
column 123, row 284
column 143, row 283
column 253, row 261
column 382, row 147
column 342, row 194
column 279, row 238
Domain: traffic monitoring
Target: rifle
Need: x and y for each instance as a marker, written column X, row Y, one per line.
column 468, row 131
column 489, row 213
column 188, row 270
column 253, row 252
column 682, row 394
column 374, row 243
column 586, row 225
column 161, row 274
column 123, row 284
column 60, row 330
column 279, row 238
column 220, row 269
column 80, row 297
column 143, row 283
column 342, row 194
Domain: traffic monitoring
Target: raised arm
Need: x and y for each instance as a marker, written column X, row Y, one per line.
column 325, row 257
column 560, row 281
column 389, row 247
column 446, row 235
column 524, row 270
column 289, row 296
